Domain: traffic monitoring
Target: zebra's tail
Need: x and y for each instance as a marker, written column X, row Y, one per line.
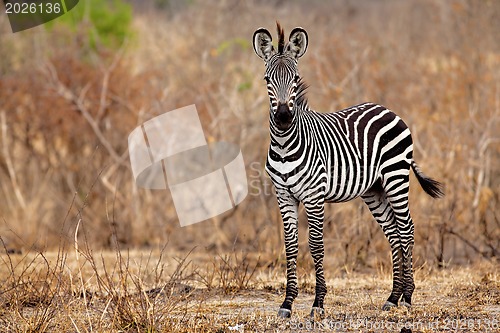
column 431, row 187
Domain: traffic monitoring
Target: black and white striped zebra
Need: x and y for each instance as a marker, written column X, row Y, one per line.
column 364, row 151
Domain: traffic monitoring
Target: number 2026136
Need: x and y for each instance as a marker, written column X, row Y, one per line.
column 33, row 8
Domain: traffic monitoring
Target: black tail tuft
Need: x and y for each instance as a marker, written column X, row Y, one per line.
column 430, row 186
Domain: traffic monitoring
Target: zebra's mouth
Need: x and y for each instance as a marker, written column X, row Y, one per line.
column 284, row 121
column 283, row 126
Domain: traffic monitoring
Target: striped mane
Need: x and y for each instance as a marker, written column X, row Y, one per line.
column 281, row 38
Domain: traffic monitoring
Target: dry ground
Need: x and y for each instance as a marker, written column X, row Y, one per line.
column 152, row 292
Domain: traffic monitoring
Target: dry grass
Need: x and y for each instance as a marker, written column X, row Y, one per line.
column 66, row 114
column 154, row 292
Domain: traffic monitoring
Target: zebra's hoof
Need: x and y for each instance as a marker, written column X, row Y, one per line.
column 284, row 313
column 388, row 305
column 317, row 313
column 406, row 304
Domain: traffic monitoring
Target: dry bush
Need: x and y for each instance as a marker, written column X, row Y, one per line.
column 230, row 272
column 114, row 291
column 131, row 303
column 66, row 115
column 32, row 292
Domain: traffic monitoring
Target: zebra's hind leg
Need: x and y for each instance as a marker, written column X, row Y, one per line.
column 383, row 213
column 289, row 213
column 397, row 195
column 315, row 210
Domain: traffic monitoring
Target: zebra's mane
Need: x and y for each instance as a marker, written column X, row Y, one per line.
column 301, row 99
column 281, row 38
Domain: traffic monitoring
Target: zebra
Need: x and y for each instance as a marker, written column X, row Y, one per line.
column 315, row 158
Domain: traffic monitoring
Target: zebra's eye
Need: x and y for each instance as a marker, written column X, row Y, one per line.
column 266, row 78
column 296, row 78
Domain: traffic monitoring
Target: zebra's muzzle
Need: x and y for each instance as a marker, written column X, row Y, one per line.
column 283, row 117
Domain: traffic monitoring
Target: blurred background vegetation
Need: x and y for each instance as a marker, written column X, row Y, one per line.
column 71, row 91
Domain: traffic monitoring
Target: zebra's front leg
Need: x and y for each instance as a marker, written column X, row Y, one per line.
column 289, row 212
column 315, row 216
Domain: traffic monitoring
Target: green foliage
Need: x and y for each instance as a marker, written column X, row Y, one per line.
column 230, row 44
column 244, row 86
column 103, row 22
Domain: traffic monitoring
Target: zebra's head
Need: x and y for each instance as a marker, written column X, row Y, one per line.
column 282, row 74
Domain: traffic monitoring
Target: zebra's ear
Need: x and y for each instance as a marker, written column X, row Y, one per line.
column 297, row 44
column 262, row 43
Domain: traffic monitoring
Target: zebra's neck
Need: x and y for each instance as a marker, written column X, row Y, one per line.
column 301, row 98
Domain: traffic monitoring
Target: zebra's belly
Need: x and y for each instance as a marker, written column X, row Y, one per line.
column 341, row 189
column 339, row 196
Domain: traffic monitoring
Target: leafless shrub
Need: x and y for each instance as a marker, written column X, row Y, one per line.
column 32, row 292
column 62, row 108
